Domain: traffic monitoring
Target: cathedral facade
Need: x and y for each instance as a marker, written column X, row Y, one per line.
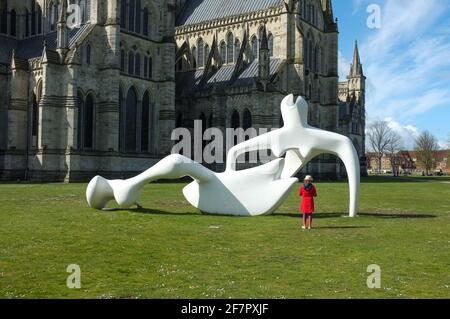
column 103, row 96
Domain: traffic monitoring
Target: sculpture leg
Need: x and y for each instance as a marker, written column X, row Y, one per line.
column 347, row 153
column 127, row 192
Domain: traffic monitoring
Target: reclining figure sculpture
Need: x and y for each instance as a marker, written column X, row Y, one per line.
column 250, row 192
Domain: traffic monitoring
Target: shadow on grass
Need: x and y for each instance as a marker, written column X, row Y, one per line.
column 148, row 211
column 378, row 215
column 340, row 227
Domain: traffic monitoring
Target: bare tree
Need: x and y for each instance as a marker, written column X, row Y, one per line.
column 393, row 148
column 426, row 148
column 379, row 135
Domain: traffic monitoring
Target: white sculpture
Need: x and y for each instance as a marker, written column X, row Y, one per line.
column 251, row 192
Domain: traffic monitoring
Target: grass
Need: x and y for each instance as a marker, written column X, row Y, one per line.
column 171, row 251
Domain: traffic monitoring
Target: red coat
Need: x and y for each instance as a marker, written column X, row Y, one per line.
column 307, row 205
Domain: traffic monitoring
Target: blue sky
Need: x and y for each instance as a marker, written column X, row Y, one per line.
column 406, row 61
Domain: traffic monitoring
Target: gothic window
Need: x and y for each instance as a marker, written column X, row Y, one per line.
column 247, row 120
column 235, row 124
column 145, row 67
column 88, row 122
column 145, row 22
column 27, row 23
column 207, row 52
column 137, row 64
column 230, row 47
column 145, row 125
column 34, row 119
column 3, row 16
column 85, row 6
column 123, row 14
column 310, row 54
column 131, row 62
column 254, row 47
column 270, row 39
column 121, row 121
column 223, row 52
column 150, row 68
column 88, row 54
column 39, row 19
column 194, row 57
column 33, row 18
column 53, row 10
column 315, row 59
column 237, row 49
column 122, row 60
column 138, row 27
column 13, row 23
column 201, row 53
column 131, row 14
column 80, row 106
column 130, row 121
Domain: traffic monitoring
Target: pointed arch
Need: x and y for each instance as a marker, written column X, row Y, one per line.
column 201, row 53
column 13, row 23
column 223, row 52
column 145, row 122
column 207, row 52
column 145, row 23
column 130, row 120
column 137, row 64
column 237, row 49
column 247, row 119
column 27, row 23
column 4, row 16
column 39, row 18
column 254, row 47
column 131, row 62
column 131, row 14
column 230, row 47
column 138, row 26
column 194, row 57
column 271, row 48
column 80, row 107
column 235, row 120
column 123, row 14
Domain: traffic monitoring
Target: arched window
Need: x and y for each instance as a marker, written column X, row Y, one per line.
column 146, row 67
column 33, row 18
column 254, row 47
column 88, row 123
column 150, row 67
column 39, row 19
column 201, row 53
column 85, row 10
column 223, row 52
column 131, row 15
column 194, row 57
column 230, row 48
column 145, row 22
column 34, row 120
column 121, row 121
column 207, row 52
column 3, row 16
column 88, row 54
column 27, row 23
column 130, row 121
column 137, row 64
column 270, row 39
column 138, row 27
column 13, row 23
column 235, row 123
column 131, row 62
column 123, row 14
column 122, row 60
column 310, row 53
column 237, row 49
column 247, row 120
column 80, row 107
column 145, row 124
column 53, row 13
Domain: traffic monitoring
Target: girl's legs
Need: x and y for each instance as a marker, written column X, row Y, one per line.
column 310, row 220
column 304, row 221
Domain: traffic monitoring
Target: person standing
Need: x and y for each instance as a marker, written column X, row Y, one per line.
column 307, row 192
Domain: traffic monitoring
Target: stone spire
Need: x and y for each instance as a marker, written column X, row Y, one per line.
column 356, row 69
column 62, row 37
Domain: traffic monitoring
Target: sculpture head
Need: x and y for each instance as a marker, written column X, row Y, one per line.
column 294, row 114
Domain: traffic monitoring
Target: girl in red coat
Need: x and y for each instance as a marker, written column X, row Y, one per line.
column 307, row 192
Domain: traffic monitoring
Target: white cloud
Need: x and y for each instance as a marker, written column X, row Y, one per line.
column 407, row 62
column 408, row 133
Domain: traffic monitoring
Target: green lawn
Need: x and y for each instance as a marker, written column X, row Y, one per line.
column 169, row 250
